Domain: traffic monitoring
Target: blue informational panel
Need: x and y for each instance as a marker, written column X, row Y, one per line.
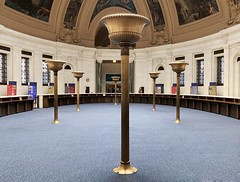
column 32, row 91
column 159, row 88
column 212, row 88
column 50, row 88
column 194, row 88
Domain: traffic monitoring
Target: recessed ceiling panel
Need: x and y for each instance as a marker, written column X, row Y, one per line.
column 157, row 15
column 72, row 13
column 192, row 10
column 39, row 9
column 103, row 4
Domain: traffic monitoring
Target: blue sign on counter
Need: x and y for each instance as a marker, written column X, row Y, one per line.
column 32, row 91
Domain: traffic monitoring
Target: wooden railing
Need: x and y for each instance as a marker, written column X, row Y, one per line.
column 228, row 106
column 15, row 104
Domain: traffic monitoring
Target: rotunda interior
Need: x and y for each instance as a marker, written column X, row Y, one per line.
column 203, row 33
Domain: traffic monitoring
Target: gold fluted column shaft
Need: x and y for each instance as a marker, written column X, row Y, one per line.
column 178, row 67
column 124, row 104
column 154, row 76
column 125, row 29
column 115, row 88
column 154, row 95
column 55, row 121
column 78, row 75
column 55, row 66
column 178, row 99
column 78, row 98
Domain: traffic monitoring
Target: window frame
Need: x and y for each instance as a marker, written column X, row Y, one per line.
column 220, row 70
column 4, row 68
column 217, row 53
column 182, row 76
column 27, row 71
column 199, row 72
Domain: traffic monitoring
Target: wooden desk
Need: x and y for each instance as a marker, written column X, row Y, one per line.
column 15, row 104
column 228, row 106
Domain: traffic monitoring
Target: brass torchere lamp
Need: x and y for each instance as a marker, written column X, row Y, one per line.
column 78, row 75
column 154, row 76
column 115, row 79
column 55, row 66
column 178, row 67
column 125, row 30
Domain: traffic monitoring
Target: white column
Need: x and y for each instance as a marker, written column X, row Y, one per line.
column 226, row 71
column 208, row 76
column 89, row 78
column 232, row 71
column 140, row 75
column 149, row 69
column 171, row 76
column 16, row 68
column 188, row 78
column 37, row 71
column 237, row 82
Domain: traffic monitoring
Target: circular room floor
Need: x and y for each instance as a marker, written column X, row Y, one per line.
column 85, row 145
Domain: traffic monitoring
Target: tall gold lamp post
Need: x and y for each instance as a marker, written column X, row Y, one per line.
column 178, row 67
column 55, row 66
column 78, row 75
column 115, row 79
column 125, row 30
column 154, row 76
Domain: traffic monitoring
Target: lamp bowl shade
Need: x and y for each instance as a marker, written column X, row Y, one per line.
column 178, row 66
column 55, row 65
column 125, row 27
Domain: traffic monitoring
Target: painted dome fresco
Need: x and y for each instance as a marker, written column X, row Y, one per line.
column 77, row 21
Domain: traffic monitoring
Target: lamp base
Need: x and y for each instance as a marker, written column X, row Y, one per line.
column 55, row 121
column 125, row 169
column 115, row 103
column 153, row 109
column 177, row 121
column 77, row 109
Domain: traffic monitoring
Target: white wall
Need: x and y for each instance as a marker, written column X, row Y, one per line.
column 146, row 60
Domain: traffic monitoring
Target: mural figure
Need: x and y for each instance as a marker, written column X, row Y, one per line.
column 157, row 15
column 234, row 13
column 39, row 9
column 72, row 13
column 192, row 10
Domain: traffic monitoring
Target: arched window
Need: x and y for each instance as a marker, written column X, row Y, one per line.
column 160, row 68
column 67, row 67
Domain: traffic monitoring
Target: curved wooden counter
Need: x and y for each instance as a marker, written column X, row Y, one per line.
column 228, row 106
column 15, row 104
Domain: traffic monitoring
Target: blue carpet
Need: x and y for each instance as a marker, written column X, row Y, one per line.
column 85, row 146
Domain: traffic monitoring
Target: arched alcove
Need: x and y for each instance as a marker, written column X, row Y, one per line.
column 67, row 67
column 160, row 68
column 101, row 38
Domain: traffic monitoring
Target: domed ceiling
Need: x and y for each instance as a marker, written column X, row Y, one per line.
column 77, row 21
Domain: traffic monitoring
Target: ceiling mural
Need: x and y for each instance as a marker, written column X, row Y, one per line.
column 157, row 15
column 192, row 10
column 39, row 9
column 103, row 4
column 237, row 2
column 72, row 13
column 70, row 20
